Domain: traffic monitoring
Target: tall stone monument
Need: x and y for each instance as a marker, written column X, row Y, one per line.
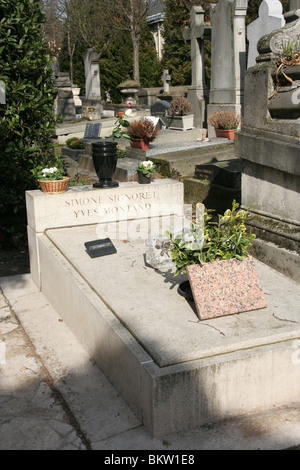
column 196, row 34
column 269, row 144
column 64, row 102
column 92, row 106
column 270, row 18
column 228, row 56
column 92, row 74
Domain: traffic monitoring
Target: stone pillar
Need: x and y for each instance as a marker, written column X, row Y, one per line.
column 269, row 145
column 166, row 79
column 92, row 107
column 196, row 33
column 92, row 75
column 228, row 56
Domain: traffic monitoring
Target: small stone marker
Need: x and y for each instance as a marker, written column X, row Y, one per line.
column 225, row 287
column 92, row 131
column 98, row 248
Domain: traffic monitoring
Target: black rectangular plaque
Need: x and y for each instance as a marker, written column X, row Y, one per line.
column 101, row 247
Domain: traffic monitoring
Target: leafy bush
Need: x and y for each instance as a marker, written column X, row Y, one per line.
column 212, row 241
column 225, row 120
column 27, row 123
column 75, row 143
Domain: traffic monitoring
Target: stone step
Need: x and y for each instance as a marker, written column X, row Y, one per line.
column 174, row 162
column 183, row 162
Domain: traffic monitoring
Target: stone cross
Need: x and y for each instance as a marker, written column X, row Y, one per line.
column 196, row 33
column 270, row 18
column 92, row 74
column 166, row 78
column 228, row 56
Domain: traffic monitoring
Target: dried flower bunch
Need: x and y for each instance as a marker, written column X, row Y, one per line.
column 225, row 120
column 180, row 106
column 143, row 129
column 290, row 57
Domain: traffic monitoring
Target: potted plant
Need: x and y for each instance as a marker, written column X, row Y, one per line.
column 179, row 110
column 51, row 176
column 225, row 123
column 145, row 170
column 215, row 253
column 141, row 133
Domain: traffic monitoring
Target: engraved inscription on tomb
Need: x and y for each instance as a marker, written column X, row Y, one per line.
column 113, row 204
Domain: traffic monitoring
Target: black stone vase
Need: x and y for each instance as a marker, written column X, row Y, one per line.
column 105, row 158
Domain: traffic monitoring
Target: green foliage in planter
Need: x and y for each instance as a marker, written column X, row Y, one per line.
column 146, row 168
column 27, row 123
column 212, row 241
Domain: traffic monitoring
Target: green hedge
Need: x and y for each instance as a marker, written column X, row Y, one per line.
column 27, row 122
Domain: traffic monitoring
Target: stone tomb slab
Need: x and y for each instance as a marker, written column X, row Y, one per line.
column 175, row 371
column 225, row 287
column 148, row 318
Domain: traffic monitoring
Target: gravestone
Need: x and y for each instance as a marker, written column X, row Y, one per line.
column 269, row 146
column 160, row 109
column 228, row 57
column 64, row 102
column 270, row 18
column 166, row 77
column 92, row 75
column 92, row 105
column 196, row 33
column 92, row 131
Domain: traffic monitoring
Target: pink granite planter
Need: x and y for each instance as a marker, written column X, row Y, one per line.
column 225, row 287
